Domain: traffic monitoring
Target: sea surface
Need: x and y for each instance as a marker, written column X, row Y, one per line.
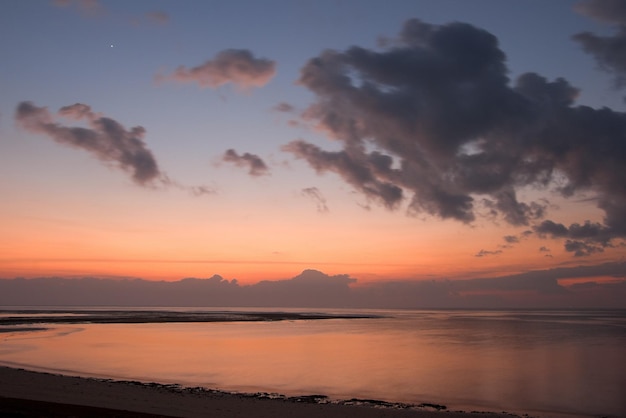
column 546, row 363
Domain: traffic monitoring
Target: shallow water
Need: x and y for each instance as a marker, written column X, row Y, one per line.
column 540, row 362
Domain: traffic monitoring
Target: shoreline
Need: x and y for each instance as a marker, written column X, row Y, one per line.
column 24, row 390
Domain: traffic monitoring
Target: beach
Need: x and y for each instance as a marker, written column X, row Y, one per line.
column 27, row 393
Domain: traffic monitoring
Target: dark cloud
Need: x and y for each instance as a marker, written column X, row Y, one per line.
column 511, row 239
column 581, row 239
column 551, row 228
column 105, row 138
column 237, row 66
column 313, row 288
column 284, row 107
column 419, row 103
column 310, row 288
column 514, row 212
column 608, row 51
column 546, row 252
column 255, row 164
column 432, row 120
column 582, row 248
column 317, row 196
column 484, row 253
column 358, row 169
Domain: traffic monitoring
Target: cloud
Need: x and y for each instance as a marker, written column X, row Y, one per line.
column 312, row 288
column 608, row 51
column 284, row 107
column 236, row 66
column 93, row 8
column 546, row 251
column 582, row 248
column 356, row 168
column 86, row 7
column 551, row 228
column 514, row 212
column 155, row 17
column 431, row 120
column 484, row 253
column 317, row 196
column 199, row 190
column 608, row 11
column 256, row 166
column 158, row 17
column 511, row 239
column 105, row 138
column 581, row 239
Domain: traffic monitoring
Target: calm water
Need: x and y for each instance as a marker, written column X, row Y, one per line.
column 541, row 362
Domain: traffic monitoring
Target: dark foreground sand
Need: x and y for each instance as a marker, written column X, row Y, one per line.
column 32, row 394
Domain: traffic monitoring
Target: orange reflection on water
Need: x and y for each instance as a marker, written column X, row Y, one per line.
column 292, row 358
column 465, row 362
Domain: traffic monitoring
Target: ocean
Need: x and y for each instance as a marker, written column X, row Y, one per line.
column 546, row 363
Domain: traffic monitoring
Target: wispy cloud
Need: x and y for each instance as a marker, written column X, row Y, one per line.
column 95, row 8
column 155, row 17
column 237, row 66
column 316, row 195
column 255, row 164
column 485, row 253
column 284, row 107
column 158, row 17
column 509, row 242
column 86, row 7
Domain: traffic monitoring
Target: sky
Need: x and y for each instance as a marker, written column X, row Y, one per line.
column 397, row 141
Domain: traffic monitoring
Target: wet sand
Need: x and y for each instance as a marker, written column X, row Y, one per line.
column 34, row 394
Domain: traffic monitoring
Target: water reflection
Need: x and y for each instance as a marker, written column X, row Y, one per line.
column 518, row 361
